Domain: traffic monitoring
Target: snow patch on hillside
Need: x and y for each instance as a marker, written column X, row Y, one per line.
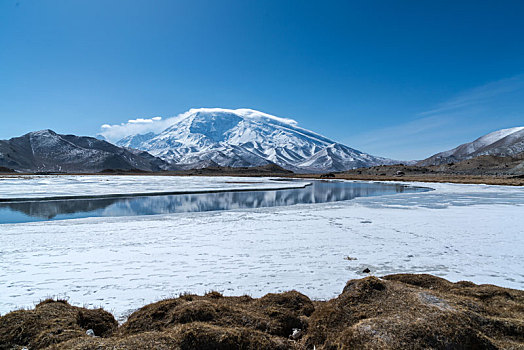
column 504, row 142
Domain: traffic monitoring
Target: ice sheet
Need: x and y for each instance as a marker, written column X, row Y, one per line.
column 36, row 187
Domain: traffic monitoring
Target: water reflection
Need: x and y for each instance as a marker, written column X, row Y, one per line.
column 318, row 192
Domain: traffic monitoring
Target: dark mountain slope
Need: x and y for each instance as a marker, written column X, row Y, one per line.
column 48, row 151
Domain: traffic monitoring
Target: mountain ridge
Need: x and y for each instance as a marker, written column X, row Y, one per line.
column 502, row 143
column 47, row 151
column 246, row 137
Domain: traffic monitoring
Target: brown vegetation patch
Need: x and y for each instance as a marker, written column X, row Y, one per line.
column 505, row 180
column 275, row 314
column 418, row 312
column 489, row 170
column 52, row 322
column 6, row 170
column 401, row 311
column 194, row 336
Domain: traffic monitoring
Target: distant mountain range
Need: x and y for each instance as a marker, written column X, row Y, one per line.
column 501, row 143
column 215, row 137
column 243, row 137
column 47, row 151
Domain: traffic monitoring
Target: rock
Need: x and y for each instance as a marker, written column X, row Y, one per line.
column 296, row 334
column 366, row 270
column 327, row 176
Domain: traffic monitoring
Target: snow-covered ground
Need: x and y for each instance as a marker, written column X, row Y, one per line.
column 37, row 187
column 460, row 232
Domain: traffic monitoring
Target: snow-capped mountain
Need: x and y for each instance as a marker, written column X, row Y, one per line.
column 47, row 151
column 502, row 143
column 245, row 137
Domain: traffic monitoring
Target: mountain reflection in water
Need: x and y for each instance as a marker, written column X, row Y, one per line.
column 318, row 192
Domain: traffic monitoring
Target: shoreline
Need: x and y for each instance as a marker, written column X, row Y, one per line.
column 501, row 180
column 454, row 179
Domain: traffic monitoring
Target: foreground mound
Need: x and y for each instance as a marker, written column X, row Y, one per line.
column 419, row 312
column 52, row 322
column 395, row 312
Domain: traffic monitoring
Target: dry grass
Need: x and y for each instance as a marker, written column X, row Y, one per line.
column 395, row 312
column 194, row 336
column 419, row 312
column 429, row 177
column 507, row 180
column 274, row 314
column 52, row 322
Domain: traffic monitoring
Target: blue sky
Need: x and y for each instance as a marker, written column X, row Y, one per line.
column 401, row 79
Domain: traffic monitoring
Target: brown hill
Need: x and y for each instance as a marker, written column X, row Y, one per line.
column 481, row 165
column 485, row 165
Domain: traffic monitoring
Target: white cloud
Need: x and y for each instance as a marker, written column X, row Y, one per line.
column 144, row 121
column 137, row 126
column 116, row 132
column 483, row 96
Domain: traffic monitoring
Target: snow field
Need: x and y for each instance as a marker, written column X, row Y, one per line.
column 459, row 232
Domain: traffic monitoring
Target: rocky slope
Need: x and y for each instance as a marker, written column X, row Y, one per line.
column 245, row 137
column 501, row 143
column 394, row 312
column 485, row 165
column 47, row 151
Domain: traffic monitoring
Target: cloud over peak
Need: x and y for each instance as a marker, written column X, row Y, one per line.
column 144, row 121
column 139, row 126
column 133, row 126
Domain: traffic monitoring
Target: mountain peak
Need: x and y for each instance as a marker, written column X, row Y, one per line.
column 499, row 134
column 240, row 112
column 45, row 150
column 44, row 132
column 504, row 142
column 246, row 137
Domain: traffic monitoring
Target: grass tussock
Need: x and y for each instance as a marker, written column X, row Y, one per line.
column 52, row 322
column 418, row 312
column 396, row 312
column 274, row 314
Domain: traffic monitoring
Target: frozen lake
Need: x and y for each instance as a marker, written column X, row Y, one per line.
column 460, row 232
column 29, row 210
column 39, row 187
